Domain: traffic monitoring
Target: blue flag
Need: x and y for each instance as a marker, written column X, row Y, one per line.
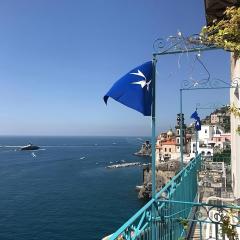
column 134, row 89
column 197, row 121
column 198, row 124
column 195, row 115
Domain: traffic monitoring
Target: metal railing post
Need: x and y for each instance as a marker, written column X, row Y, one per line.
column 153, row 141
column 181, row 130
column 196, row 153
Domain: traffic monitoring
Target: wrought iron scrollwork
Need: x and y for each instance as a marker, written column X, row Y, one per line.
column 180, row 43
column 175, row 210
column 208, row 83
column 209, row 106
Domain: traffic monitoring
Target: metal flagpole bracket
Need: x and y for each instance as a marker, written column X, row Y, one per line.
column 153, row 143
column 181, row 44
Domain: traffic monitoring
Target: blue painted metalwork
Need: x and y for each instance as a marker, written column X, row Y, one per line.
column 181, row 129
column 209, row 83
column 141, row 223
column 178, row 214
column 153, row 143
column 205, row 221
column 196, row 133
column 163, row 216
column 181, row 44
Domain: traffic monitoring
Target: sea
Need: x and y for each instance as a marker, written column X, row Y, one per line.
column 64, row 190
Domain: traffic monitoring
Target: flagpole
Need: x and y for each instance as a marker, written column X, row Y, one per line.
column 196, row 143
column 196, row 140
column 153, row 143
column 181, row 131
column 153, row 140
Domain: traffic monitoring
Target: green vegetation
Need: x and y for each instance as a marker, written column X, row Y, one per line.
column 184, row 222
column 226, row 32
column 223, row 114
column 236, row 112
column 228, row 229
column 224, row 156
column 238, row 130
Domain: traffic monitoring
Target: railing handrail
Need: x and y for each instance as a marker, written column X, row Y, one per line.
column 150, row 202
column 132, row 219
column 177, row 176
column 196, row 204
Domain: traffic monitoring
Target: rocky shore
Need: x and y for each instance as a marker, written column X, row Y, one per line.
column 164, row 172
column 145, row 150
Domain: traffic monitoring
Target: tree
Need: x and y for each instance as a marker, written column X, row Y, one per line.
column 226, row 32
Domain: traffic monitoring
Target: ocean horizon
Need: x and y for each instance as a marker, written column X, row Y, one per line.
column 64, row 190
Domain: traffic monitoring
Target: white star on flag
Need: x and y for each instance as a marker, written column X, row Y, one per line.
column 144, row 82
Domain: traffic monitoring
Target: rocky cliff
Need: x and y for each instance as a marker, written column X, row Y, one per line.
column 164, row 173
column 145, row 150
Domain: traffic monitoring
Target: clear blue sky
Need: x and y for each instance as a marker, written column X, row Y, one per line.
column 59, row 57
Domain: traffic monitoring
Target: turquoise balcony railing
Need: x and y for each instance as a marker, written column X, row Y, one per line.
column 176, row 214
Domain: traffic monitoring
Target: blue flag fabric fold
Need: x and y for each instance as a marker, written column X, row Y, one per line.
column 134, row 89
column 197, row 121
column 195, row 115
column 198, row 124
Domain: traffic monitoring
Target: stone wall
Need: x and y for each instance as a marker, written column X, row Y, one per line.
column 164, row 172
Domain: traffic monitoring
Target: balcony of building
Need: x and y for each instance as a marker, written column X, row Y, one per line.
column 183, row 210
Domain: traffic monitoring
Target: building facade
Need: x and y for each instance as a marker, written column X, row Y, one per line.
column 178, row 133
column 235, row 124
column 168, row 144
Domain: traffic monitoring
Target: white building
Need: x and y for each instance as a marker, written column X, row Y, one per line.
column 204, row 143
column 235, row 123
column 217, row 129
column 206, row 133
column 210, row 136
column 204, row 149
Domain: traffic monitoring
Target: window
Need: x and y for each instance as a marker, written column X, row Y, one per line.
column 203, row 153
column 205, row 130
column 170, row 149
column 165, row 149
column 178, row 140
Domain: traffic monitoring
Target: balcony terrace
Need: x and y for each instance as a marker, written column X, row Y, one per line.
column 176, row 213
column 178, row 210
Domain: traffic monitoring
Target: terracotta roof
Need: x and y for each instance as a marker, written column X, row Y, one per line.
column 169, row 142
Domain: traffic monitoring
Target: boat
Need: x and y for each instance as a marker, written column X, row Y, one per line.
column 29, row 147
